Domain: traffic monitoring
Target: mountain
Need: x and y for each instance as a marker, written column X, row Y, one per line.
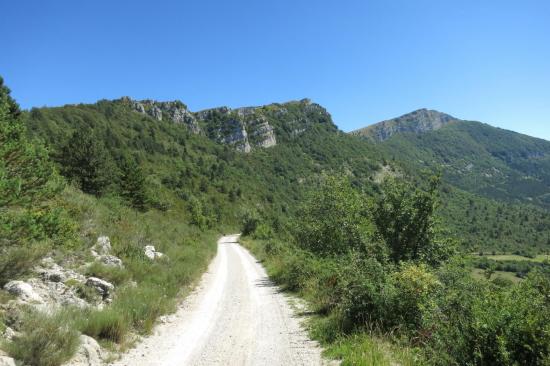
column 419, row 121
column 473, row 156
column 243, row 128
column 266, row 157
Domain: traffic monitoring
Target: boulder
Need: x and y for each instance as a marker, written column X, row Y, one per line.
column 151, row 253
column 7, row 361
column 88, row 354
column 102, row 246
column 111, row 261
column 8, row 333
column 23, row 290
column 103, row 287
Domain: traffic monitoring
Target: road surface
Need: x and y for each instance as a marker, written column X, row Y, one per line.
column 236, row 316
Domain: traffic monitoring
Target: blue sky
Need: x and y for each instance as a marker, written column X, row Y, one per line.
column 365, row 61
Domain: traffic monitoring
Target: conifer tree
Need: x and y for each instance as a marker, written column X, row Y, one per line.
column 132, row 183
column 85, row 160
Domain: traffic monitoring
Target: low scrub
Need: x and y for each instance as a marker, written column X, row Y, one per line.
column 45, row 339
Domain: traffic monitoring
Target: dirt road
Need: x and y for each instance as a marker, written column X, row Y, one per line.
column 234, row 317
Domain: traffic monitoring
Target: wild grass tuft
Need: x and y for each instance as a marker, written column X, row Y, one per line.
column 45, row 340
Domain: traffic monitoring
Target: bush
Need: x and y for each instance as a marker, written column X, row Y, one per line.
column 415, row 287
column 45, row 340
column 16, row 261
column 250, row 222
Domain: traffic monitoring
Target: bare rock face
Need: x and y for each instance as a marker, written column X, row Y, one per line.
column 175, row 111
column 262, row 133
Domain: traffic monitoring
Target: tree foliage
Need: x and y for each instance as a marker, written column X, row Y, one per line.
column 85, row 160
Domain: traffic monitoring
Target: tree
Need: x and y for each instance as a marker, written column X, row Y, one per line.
column 333, row 220
column 85, row 160
column 132, row 183
column 27, row 177
column 404, row 219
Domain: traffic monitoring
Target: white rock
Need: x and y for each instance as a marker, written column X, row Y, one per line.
column 7, row 361
column 103, row 245
column 88, row 354
column 151, row 253
column 8, row 333
column 111, row 260
column 22, row 290
column 102, row 286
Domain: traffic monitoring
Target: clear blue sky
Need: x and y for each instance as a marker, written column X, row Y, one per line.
column 365, row 61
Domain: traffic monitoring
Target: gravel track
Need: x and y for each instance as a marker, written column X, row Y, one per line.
column 235, row 316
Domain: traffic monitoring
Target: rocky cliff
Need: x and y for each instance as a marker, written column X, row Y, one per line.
column 420, row 121
column 243, row 128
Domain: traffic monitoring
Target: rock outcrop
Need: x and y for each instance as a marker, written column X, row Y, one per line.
column 245, row 128
column 174, row 111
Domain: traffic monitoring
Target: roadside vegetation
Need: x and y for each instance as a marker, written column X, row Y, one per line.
column 46, row 214
column 372, row 255
column 379, row 269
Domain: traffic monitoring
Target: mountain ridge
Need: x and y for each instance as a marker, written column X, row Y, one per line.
column 418, row 121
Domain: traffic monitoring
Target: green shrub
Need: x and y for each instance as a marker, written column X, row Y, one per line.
column 16, row 261
column 45, row 340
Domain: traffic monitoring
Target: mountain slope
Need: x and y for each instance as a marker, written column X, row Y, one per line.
column 419, row 121
column 476, row 157
column 199, row 158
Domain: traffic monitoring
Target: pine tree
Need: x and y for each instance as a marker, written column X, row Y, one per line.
column 132, row 183
column 27, row 177
column 85, row 160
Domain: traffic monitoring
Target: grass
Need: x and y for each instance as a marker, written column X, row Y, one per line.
column 513, row 257
column 480, row 274
column 144, row 289
column 45, row 340
column 366, row 350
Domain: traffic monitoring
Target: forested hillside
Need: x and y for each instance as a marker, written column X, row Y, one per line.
column 335, row 217
column 259, row 159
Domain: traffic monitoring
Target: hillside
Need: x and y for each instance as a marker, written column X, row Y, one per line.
column 145, row 186
column 473, row 156
column 265, row 156
column 417, row 122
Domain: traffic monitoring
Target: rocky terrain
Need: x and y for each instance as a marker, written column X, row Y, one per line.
column 417, row 122
column 52, row 286
column 243, row 128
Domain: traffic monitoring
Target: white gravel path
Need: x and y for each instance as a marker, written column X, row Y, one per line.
column 234, row 317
